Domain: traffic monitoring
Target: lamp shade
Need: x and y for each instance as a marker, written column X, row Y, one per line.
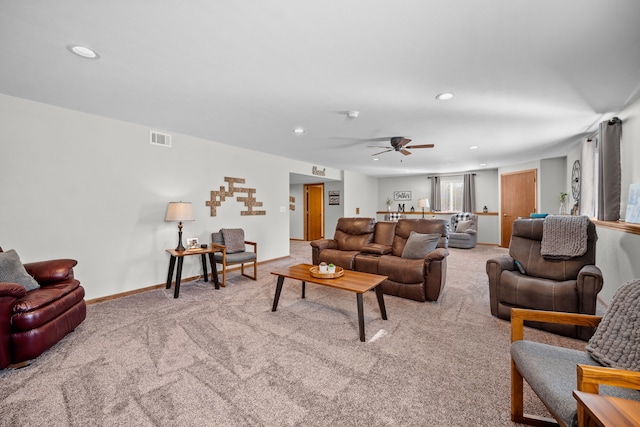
column 423, row 203
column 179, row 211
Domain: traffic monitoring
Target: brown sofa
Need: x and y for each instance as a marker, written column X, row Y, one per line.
column 362, row 244
column 32, row 322
column 569, row 285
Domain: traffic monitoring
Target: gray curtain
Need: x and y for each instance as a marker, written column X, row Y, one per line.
column 436, row 203
column 469, row 193
column 609, row 170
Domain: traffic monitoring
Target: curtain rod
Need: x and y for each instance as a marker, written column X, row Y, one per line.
column 451, row 174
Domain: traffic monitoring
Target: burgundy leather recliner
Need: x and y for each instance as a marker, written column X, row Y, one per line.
column 32, row 322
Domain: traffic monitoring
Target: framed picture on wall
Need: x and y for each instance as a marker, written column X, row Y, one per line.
column 402, row 196
column 334, row 197
column 633, row 206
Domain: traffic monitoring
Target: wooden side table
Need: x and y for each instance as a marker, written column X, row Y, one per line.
column 179, row 255
column 607, row 411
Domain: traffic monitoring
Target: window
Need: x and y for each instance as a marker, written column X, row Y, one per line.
column 451, row 193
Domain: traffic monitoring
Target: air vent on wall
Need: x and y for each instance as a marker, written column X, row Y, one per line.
column 162, row 139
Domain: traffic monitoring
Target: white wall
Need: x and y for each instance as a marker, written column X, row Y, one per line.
column 553, row 181
column 360, row 192
column 296, row 217
column 80, row 186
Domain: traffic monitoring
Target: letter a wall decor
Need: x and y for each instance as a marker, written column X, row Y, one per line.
column 217, row 197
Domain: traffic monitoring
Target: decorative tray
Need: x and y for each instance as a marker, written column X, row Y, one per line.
column 316, row 273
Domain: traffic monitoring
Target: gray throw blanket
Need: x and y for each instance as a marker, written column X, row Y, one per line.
column 616, row 342
column 564, row 236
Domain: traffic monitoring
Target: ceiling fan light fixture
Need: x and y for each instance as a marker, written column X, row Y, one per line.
column 444, row 96
column 83, row 51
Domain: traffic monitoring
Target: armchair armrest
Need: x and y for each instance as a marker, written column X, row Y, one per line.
column 519, row 315
column 501, row 263
column 219, row 248
column 590, row 377
column 254, row 244
column 436, row 254
column 11, row 290
column 471, row 231
column 322, row 244
column 51, row 271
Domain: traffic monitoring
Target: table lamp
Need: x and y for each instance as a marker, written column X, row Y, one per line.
column 179, row 211
column 423, row 203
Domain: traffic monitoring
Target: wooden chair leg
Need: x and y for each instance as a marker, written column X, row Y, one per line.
column 517, row 395
column 255, row 270
column 517, row 403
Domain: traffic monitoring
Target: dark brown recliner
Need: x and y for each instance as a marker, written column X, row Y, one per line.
column 32, row 322
column 570, row 285
column 350, row 236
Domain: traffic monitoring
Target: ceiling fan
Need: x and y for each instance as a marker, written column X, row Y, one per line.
column 399, row 143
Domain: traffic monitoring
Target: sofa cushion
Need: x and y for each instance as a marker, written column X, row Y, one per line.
column 517, row 290
column 353, row 233
column 45, row 304
column 233, row 239
column 419, row 245
column 12, row 271
column 464, row 226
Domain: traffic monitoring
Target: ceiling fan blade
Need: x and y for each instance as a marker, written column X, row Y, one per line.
column 405, row 152
column 385, row 151
column 420, row 146
column 404, row 142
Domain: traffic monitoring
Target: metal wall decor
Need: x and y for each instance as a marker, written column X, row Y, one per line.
column 219, row 196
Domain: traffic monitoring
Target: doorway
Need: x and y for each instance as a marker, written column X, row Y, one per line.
column 517, row 199
column 313, row 211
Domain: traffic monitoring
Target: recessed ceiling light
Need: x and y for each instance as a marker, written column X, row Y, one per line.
column 353, row 114
column 473, row 147
column 483, row 165
column 445, row 96
column 299, row 130
column 375, row 159
column 82, row 51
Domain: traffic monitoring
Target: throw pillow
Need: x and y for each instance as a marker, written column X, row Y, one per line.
column 233, row 239
column 419, row 245
column 12, row 270
column 464, row 226
column 617, row 338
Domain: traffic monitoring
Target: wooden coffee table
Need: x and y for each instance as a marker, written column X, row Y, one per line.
column 353, row 281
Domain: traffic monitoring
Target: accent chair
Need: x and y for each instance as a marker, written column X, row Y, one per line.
column 231, row 247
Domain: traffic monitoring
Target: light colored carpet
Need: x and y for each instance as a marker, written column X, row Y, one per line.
column 223, row 358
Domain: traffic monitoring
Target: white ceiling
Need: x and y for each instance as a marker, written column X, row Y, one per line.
column 530, row 77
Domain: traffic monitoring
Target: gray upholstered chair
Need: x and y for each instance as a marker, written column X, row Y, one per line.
column 232, row 250
column 527, row 279
column 463, row 230
column 610, row 359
